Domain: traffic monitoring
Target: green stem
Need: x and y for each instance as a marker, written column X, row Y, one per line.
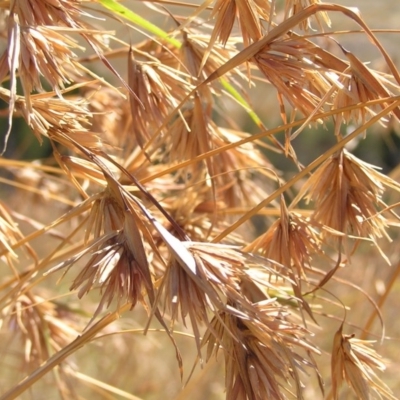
column 136, row 19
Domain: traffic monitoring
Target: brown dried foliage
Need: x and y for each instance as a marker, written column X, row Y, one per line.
column 160, row 198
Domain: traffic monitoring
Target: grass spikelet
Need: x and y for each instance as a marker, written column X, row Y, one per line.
column 195, row 134
column 249, row 14
column 360, row 84
column 193, row 51
column 288, row 65
column 354, row 360
column 348, row 195
column 155, row 91
column 60, row 120
column 9, row 235
column 292, row 7
column 214, row 283
column 291, row 241
column 259, row 352
column 41, row 326
column 48, row 12
column 114, row 268
column 118, row 263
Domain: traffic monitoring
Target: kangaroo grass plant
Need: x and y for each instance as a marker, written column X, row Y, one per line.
column 165, row 206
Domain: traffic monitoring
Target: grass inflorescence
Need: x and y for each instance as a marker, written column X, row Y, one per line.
column 173, row 205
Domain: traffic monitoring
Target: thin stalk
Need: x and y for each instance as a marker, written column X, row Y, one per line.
column 305, row 172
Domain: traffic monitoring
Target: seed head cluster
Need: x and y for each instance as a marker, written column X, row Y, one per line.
column 167, row 198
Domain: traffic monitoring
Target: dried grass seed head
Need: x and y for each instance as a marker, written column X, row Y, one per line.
column 197, row 290
column 65, row 120
column 9, row 235
column 212, row 283
column 348, row 194
column 156, row 92
column 293, row 7
column 68, row 14
column 291, row 241
column 110, row 117
column 359, row 84
column 118, row 263
column 39, row 47
column 260, row 351
column 106, row 216
column 194, row 49
column 290, row 66
column 249, row 13
column 114, row 269
column 229, row 269
column 117, row 266
column 354, row 360
column 186, row 138
column 213, row 277
column 216, row 278
column 229, row 171
column 193, row 212
column 46, row 52
column 183, row 298
column 42, row 326
column 36, row 52
column 45, row 12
